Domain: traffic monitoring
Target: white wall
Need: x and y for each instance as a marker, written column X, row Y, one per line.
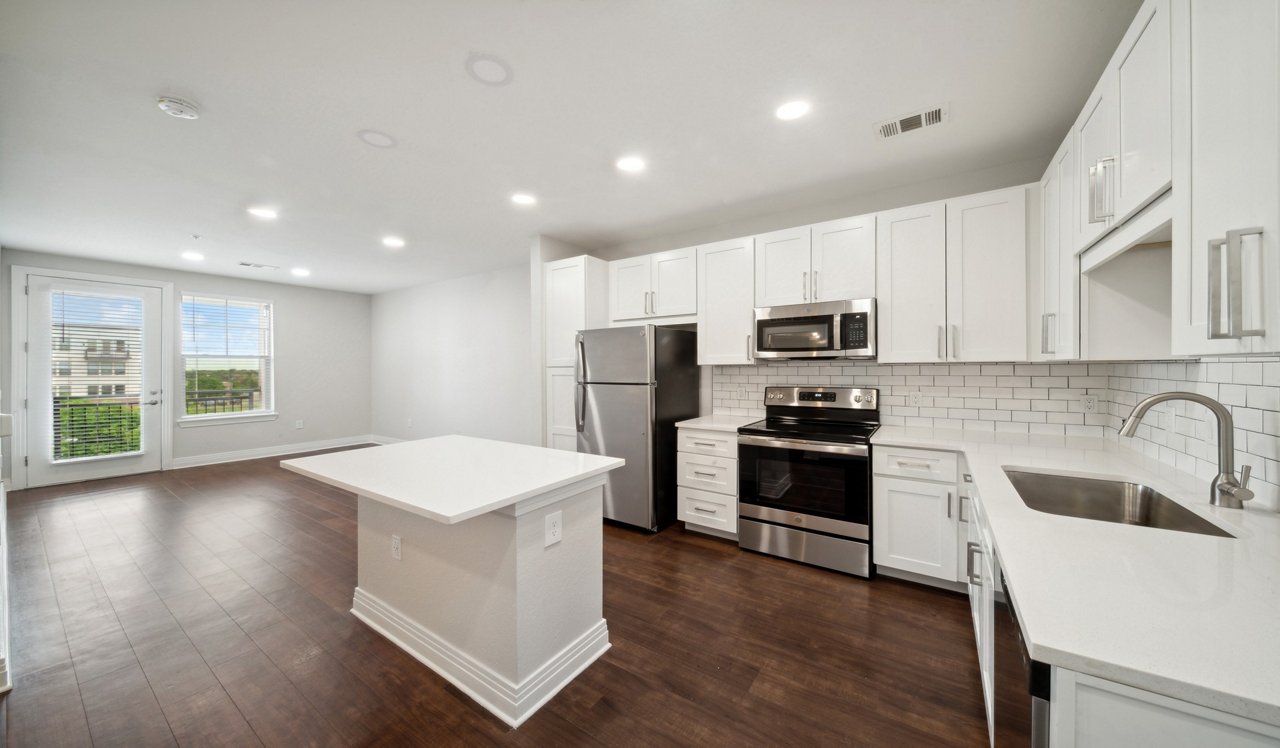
column 453, row 358
column 322, row 355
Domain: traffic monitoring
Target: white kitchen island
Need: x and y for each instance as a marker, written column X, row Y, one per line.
column 482, row 593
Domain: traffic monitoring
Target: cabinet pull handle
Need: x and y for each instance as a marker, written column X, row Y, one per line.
column 704, row 473
column 704, row 511
column 955, row 341
column 1233, row 245
column 948, row 505
column 963, row 517
column 815, row 285
column 705, row 444
column 653, row 302
column 1053, row 332
column 942, row 344
column 1093, row 194
column 973, row 580
column 913, row 464
column 1107, row 198
column 750, row 353
column 1044, row 334
column 804, row 284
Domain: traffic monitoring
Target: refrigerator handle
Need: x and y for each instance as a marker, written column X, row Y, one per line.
column 580, row 370
column 580, row 405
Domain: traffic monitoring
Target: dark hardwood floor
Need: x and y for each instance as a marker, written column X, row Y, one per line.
column 210, row 606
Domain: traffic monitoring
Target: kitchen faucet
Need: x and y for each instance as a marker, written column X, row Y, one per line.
column 1224, row 490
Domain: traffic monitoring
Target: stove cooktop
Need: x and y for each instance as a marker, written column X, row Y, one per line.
column 817, row 431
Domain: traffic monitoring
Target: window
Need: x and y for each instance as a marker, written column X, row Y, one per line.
column 119, row 389
column 62, row 368
column 93, row 389
column 226, row 356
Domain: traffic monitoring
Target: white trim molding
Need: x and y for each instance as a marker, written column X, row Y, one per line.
column 513, row 703
column 272, row 451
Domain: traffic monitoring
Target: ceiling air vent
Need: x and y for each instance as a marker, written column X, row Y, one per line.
column 258, row 266
column 914, row 121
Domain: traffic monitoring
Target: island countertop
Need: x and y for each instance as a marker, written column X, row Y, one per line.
column 453, row 478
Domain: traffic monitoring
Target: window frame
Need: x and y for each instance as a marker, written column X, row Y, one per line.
column 268, row 412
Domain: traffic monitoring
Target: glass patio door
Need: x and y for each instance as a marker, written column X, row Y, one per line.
column 93, row 379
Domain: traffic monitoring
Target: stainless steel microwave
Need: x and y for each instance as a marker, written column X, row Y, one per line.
column 831, row 329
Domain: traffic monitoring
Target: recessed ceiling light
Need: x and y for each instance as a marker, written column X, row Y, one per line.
column 523, row 198
column 377, row 138
column 394, row 242
column 300, row 272
column 631, row 164
column 192, row 256
column 263, row 212
column 793, row 110
column 489, row 69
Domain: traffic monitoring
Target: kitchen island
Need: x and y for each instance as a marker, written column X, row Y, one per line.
column 482, row 559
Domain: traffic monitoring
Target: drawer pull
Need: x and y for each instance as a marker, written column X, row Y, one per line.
column 916, row 465
column 705, row 444
column 704, row 510
column 703, row 472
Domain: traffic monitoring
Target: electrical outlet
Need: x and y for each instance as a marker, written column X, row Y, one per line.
column 395, row 547
column 742, row 393
column 916, row 398
column 1089, row 403
column 554, row 528
column 297, row 424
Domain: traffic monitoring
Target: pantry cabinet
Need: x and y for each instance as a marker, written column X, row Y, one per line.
column 828, row 261
column 657, row 285
column 725, row 311
column 1226, row 244
column 1123, row 134
column 574, row 298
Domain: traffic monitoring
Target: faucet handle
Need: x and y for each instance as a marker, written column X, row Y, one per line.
column 1245, row 474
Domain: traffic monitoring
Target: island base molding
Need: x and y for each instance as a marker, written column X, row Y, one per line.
column 513, row 703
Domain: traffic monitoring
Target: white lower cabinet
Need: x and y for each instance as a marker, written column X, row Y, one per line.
column 562, row 421
column 707, row 479
column 915, row 522
column 1089, row 711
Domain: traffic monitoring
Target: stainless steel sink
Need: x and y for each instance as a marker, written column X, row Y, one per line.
column 1107, row 500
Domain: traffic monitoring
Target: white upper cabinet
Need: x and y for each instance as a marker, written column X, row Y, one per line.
column 573, row 300
column 843, row 259
column 1226, row 253
column 828, row 261
column 782, row 267
column 911, row 284
column 1059, row 266
column 987, row 276
column 725, row 312
column 1123, row 135
column 658, row 285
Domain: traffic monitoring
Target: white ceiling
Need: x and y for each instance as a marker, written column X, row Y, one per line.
column 89, row 166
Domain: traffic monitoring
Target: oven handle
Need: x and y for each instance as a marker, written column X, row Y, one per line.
column 853, row 450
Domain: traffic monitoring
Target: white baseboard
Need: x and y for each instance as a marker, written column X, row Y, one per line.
column 512, row 703
column 272, row 451
column 379, row 439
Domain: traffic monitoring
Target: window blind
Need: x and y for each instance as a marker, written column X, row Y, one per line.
column 226, row 355
column 96, row 379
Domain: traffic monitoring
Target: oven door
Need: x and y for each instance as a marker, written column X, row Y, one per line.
column 814, row 486
column 815, row 336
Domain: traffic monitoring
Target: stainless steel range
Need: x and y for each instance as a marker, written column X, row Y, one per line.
column 804, row 477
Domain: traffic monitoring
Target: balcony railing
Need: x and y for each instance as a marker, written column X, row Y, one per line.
column 203, row 402
column 95, row 426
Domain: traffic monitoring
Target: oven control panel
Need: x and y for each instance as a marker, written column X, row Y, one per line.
column 864, row 398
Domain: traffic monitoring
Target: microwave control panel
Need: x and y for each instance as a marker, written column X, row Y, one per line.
column 855, row 334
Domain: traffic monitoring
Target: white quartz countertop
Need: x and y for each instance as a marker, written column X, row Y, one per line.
column 452, row 478
column 717, row 422
column 1186, row 615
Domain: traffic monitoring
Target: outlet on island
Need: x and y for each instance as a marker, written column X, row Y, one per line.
column 395, row 547
column 554, row 528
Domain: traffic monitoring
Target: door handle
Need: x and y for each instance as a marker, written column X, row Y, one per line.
column 152, row 402
column 1233, row 246
column 580, row 370
column 955, row 341
column 653, row 302
column 1107, row 198
column 815, row 285
column 579, row 406
column 948, row 505
column 942, row 344
column 975, row 581
column 1044, row 334
column 804, row 284
column 750, row 353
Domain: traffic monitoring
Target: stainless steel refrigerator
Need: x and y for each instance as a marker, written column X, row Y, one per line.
column 634, row 383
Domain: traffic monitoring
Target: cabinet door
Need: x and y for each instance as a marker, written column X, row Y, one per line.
column 911, row 284
column 1227, row 166
column 987, row 276
column 782, row 267
column 562, row 424
column 565, row 303
column 726, row 302
column 1144, row 111
column 843, row 260
column 629, row 286
column 1050, row 236
column 915, row 526
column 1096, row 136
column 1064, row 327
column 675, row 282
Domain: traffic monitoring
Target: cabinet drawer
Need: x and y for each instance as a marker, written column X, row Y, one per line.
column 715, row 474
column 710, row 443
column 914, row 463
column 707, row 509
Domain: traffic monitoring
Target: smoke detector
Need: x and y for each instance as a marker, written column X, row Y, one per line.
column 180, row 108
column 914, row 121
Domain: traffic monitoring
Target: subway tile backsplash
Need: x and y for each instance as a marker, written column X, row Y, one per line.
column 1049, row 398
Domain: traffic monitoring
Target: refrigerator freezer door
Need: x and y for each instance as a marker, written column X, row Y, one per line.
column 617, row 355
column 617, row 423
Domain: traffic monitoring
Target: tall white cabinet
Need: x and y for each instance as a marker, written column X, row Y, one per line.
column 725, row 310
column 1226, row 247
column 574, row 298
